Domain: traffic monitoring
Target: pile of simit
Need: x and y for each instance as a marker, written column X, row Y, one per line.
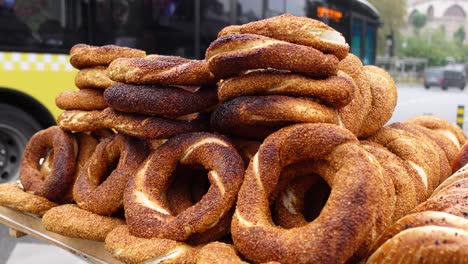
column 288, row 127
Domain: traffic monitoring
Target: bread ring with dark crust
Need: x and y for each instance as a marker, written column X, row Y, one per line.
column 93, row 78
column 384, row 100
column 14, row 197
column 159, row 69
column 414, row 150
column 146, row 207
column 84, row 99
column 344, row 222
column 444, row 164
column 404, row 178
column 232, row 54
column 294, row 29
column 441, row 126
column 353, row 114
column 69, row 220
column 62, row 176
column 259, row 116
column 99, row 189
column 461, row 159
column 439, row 239
column 86, row 56
column 159, row 100
column 334, row 91
column 421, row 219
column 136, row 125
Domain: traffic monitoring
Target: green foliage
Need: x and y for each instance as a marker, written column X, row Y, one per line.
column 418, row 21
column 392, row 16
column 433, row 45
column 459, row 35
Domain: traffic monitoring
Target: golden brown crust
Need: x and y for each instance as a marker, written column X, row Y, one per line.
column 384, row 99
column 405, row 189
column 461, row 158
column 14, row 197
column 299, row 30
column 158, row 69
column 131, row 249
column 100, row 190
column 442, row 126
column 444, row 164
column 334, row 91
column 353, row 114
column 458, row 175
column 63, row 164
column 416, row 151
column 217, row 252
column 426, row 244
column 425, row 218
column 84, row 99
column 147, row 211
column 259, row 116
column 93, row 78
column 341, row 230
column 159, row 100
column 232, row 54
column 86, row 56
column 136, row 125
column 69, row 220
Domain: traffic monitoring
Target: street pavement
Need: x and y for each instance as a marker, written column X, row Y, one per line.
column 413, row 100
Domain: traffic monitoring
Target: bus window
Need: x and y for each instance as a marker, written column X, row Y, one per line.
column 214, row 16
column 356, row 37
column 370, row 44
column 248, row 11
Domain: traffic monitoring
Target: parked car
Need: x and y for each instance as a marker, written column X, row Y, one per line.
column 445, row 77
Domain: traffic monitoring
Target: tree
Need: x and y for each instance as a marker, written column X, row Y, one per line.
column 418, row 21
column 459, row 35
column 392, row 15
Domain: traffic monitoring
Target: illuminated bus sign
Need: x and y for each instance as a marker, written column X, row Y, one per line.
column 323, row 12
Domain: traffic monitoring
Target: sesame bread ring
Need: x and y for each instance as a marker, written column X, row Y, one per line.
column 217, row 252
column 84, row 99
column 452, row 199
column 69, row 220
column 441, row 126
column 353, row 114
column 384, row 99
column 232, row 54
column 136, row 125
column 460, row 174
column 414, row 150
column 425, row 244
column 63, row 164
column 299, row 30
column 444, row 164
column 334, row 91
column 159, row 100
column 159, row 69
column 86, row 56
column 259, row 116
column 99, row 188
column 93, row 78
column 461, row 158
column 132, row 249
column 13, row 196
column 346, row 219
column 146, row 208
column 404, row 178
column 425, row 218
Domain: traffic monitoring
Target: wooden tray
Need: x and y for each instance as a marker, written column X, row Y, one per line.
column 91, row 251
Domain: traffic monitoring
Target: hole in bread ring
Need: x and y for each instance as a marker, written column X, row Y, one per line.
column 348, row 215
column 100, row 186
column 147, row 209
column 61, row 165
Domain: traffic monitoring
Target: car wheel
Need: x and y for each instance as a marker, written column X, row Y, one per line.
column 444, row 88
column 462, row 87
column 427, row 86
column 16, row 127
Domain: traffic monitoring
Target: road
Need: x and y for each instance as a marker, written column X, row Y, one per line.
column 415, row 100
column 412, row 100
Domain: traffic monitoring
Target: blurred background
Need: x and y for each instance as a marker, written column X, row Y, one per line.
column 421, row 43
